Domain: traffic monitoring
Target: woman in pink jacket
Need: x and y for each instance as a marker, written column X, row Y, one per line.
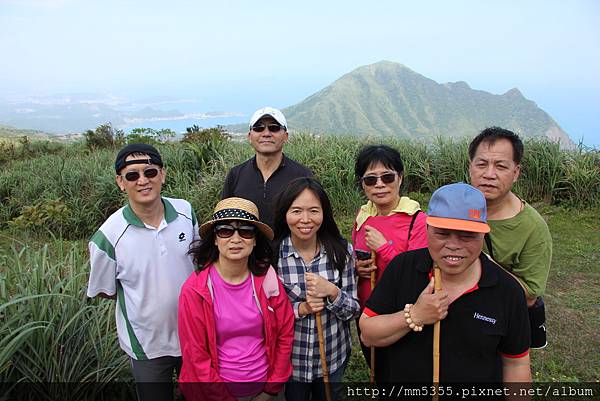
column 387, row 224
column 236, row 324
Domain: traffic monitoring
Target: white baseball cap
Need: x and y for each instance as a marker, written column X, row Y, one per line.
column 268, row 111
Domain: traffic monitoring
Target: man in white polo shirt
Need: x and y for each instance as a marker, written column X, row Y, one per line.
column 139, row 257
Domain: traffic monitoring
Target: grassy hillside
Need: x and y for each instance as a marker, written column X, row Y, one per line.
column 83, row 180
column 50, row 204
column 14, row 135
column 11, row 132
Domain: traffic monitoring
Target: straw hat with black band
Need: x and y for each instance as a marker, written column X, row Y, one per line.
column 236, row 209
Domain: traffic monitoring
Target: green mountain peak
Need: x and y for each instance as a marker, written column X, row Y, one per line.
column 388, row 98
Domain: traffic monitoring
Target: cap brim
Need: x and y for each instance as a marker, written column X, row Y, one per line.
column 267, row 115
column 262, row 227
column 457, row 224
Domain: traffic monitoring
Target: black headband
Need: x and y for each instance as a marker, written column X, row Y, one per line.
column 141, row 161
column 133, row 148
column 233, row 214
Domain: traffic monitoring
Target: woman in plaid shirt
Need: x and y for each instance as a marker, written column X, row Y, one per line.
column 317, row 269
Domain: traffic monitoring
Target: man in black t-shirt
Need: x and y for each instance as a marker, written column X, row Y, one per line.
column 482, row 309
column 263, row 176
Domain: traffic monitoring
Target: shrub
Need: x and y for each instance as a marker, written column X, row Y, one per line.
column 206, row 144
column 104, row 136
column 150, row 135
column 47, row 216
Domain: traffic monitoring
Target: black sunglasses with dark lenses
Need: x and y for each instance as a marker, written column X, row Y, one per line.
column 271, row 127
column 150, row 172
column 226, row 231
column 370, row 180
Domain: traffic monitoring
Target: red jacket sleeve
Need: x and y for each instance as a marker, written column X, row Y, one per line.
column 198, row 379
column 385, row 254
column 418, row 236
column 282, row 367
column 417, row 240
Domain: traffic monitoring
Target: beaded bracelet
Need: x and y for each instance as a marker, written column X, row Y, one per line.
column 412, row 325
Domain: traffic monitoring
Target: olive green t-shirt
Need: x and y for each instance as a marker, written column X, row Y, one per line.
column 522, row 244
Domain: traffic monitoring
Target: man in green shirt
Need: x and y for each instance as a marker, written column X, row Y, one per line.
column 519, row 239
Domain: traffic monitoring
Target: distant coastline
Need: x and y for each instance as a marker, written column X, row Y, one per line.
column 180, row 123
column 188, row 116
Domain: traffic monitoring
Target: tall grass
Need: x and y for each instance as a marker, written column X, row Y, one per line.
column 543, row 169
column 51, row 332
column 84, row 180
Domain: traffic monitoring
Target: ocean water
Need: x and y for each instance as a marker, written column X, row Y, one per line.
column 179, row 126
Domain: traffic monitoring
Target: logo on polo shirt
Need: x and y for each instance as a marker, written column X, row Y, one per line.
column 484, row 318
column 181, row 237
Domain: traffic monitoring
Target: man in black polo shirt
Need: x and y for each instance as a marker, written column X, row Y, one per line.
column 482, row 309
column 260, row 178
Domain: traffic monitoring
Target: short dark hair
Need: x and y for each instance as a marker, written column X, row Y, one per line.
column 372, row 154
column 328, row 235
column 490, row 135
column 205, row 252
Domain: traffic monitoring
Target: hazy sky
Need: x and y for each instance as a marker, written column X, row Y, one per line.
column 240, row 55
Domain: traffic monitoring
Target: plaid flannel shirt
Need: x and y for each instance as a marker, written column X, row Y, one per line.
column 335, row 317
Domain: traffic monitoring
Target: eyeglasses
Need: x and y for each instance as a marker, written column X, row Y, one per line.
column 271, row 127
column 387, row 178
column 227, row 230
column 132, row 176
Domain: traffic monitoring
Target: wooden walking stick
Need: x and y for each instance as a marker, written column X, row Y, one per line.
column 436, row 336
column 373, row 280
column 323, row 356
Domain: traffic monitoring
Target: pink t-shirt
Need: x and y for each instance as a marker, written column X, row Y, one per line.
column 240, row 336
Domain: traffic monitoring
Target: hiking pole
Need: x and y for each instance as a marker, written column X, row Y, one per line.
column 436, row 336
column 323, row 356
column 373, row 279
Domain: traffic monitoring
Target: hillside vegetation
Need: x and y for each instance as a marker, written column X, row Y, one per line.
column 52, row 202
column 388, row 98
column 82, row 179
column 11, row 132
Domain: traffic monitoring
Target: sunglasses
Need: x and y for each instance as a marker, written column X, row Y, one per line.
column 150, row 172
column 370, row 180
column 271, row 127
column 226, row 231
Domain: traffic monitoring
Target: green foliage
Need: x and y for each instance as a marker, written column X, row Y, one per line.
column 150, row 135
column 49, row 331
column 8, row 151
column 104, row 136
column 23, row 148
column 195, row 134
column 206, row 144
column 44, row 215
column 579, row 185
column 137, row 138
column 84, row 180
column 390, row 99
